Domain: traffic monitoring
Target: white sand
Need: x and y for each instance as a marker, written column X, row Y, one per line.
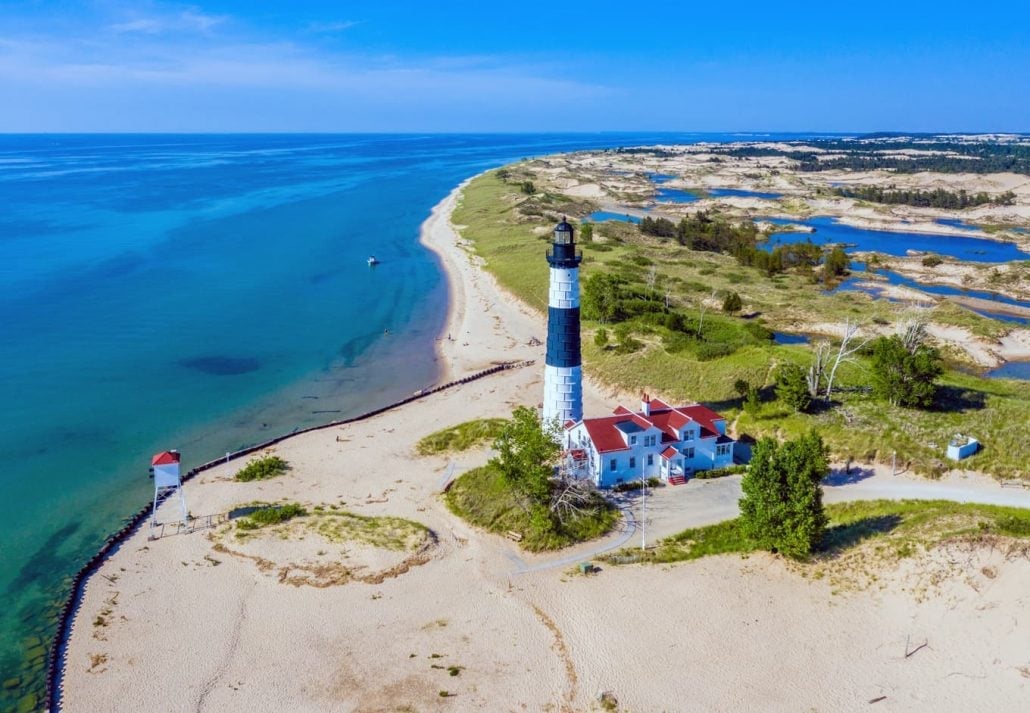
column 185, row 627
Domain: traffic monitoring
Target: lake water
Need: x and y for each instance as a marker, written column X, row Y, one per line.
column 600, row 216
column 741, row 193
column 788, row 338
column 898, row 243
column 206, row 293
column 1012, row 370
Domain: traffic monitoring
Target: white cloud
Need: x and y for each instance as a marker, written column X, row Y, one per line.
column 186, row 20
column 327, row 27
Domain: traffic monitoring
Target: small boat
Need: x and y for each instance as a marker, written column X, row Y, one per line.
column 372, row 261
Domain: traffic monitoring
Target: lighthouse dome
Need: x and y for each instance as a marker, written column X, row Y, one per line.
column 563, row 232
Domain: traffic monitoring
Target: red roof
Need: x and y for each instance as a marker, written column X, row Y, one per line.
column 703, row 415
column 165, row 458
column 670, row 453
column 670, row 421
column 603, row 433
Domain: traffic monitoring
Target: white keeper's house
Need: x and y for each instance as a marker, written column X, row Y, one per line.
column 658, row 441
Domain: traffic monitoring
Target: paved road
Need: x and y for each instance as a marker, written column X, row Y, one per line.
column 705, row 502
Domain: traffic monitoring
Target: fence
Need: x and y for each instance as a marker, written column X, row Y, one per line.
column 55, row 657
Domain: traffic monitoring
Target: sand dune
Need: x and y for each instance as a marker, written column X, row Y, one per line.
column 177, row 624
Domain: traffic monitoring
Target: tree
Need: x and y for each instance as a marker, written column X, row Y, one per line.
column 526, row 455
column 602, row 296
column 835, row 265
column 782, row 507
column 601, row 338
column 586, row 232
column 792, row 387
column 732, row 303
column 904, row 377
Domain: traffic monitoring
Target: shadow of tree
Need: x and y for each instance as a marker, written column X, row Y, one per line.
column 841, row 476
column 955, row 398
column 840, row 537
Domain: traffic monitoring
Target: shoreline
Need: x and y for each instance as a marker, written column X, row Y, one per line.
column 529, row 638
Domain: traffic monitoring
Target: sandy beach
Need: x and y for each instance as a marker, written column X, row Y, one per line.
column 460, row 620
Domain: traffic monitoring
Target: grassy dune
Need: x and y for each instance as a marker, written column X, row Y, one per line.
column 511, row 231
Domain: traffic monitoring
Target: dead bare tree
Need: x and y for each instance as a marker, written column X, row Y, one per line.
column 570, row 496
column 702, row 308
column 652, row 277
column 847, row 348
column 913, row 331
column 816, row 371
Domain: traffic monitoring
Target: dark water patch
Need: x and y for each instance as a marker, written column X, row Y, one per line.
column 742, row 193
column 320, row 277
column 217, row 365
column 52, row 556
column 602, row 215
column 1012, row 370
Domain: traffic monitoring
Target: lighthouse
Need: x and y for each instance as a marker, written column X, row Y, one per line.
column 563, row 373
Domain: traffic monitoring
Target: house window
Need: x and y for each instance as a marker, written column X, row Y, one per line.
column 650, row 458
column 723, row 449
column 689, row 452
column 633, row 440
column 612, row 464
column 688, row 435
column 632, row 462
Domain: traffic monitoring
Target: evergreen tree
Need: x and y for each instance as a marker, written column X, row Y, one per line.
column 792, row 388
column 782, row 507
column 732, row 303
column 905, row 377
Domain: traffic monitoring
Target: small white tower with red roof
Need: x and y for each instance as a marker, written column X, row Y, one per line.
column 167, row 475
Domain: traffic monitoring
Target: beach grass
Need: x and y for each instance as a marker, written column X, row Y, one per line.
column 905, row 526
column 461, row 437
column 854, row 425
column 263, row 468
column 483, row 498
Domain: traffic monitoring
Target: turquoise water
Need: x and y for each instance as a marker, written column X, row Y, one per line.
column 600, row 216
column 205, row 293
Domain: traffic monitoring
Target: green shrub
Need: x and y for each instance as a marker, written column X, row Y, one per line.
column 932, row 260
column 262, row 469
column 270, row 515
column 719, row 472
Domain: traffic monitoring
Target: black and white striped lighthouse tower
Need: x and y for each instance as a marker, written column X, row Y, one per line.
column 563, row 374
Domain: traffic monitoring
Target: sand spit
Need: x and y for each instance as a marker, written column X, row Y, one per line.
column 475, row 625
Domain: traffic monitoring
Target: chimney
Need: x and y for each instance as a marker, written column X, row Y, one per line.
column 645, row 404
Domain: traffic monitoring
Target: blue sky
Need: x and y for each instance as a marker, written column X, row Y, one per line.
column 302, row 65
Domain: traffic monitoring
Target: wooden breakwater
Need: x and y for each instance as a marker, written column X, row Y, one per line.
column 57, row 651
